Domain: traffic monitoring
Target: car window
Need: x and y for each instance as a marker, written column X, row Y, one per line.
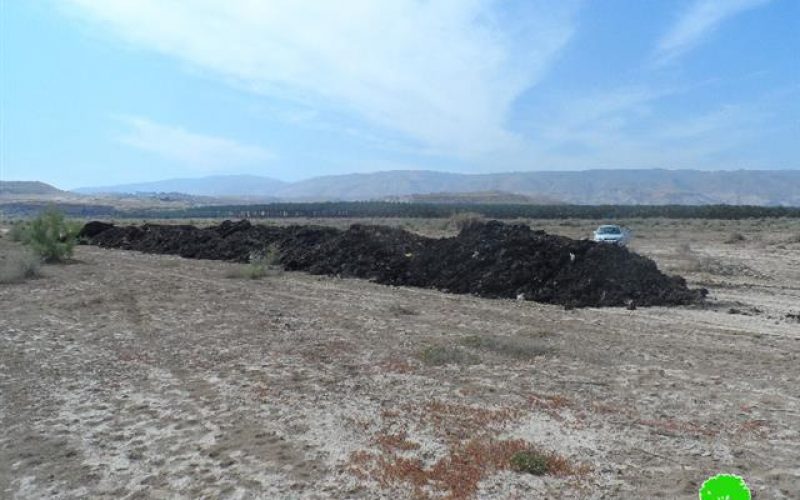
column 609, row 230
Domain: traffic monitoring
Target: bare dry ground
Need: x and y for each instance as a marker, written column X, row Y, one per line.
column 125, row 375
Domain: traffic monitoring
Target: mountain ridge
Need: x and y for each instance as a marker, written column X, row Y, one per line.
column 591, row 187
column 215, row 185
column 28, row 188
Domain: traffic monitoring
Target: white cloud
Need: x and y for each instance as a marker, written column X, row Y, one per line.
column 622, row 128
column 199, row 151
column 441, row 73
column 700, row 20
column 593, row 115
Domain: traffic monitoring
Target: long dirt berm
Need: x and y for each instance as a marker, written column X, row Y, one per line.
column 487, row 259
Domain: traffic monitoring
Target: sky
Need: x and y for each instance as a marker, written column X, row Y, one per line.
column 99, row 92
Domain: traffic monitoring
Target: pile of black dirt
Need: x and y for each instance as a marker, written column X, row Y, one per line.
column 489, row 259
column 380, row 253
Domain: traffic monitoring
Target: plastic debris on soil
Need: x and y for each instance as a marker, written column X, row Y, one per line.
column 488, row 259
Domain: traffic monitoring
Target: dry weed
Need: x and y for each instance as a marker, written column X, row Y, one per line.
column 759, row 427
column 735, row 238
column 514, row 347
column 697, row 263
column 551, row 405
column 675, row 427
column 457, row 474
column 395, row 365
column 394, row 442
column 18, row 266
column 457, row 421
column 463, row 220
column 401, row 310
column 446, row 355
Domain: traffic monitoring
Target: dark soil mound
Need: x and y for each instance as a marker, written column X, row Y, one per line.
column 92, row 229
column 486, row 259
column 380, row 253
column 497, row 260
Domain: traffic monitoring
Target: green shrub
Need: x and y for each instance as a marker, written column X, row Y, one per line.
column 270, row 257
column 444, row 355
column 515, row 347
column 265, row 263
column 18, row 231
column 531, row 462
column 735, row 238
column 50, row 236
column 16, row 267
column 74, row 227
column 250, row 271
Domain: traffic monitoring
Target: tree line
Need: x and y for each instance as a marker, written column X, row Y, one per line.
column 378, row 209
column 382, row 209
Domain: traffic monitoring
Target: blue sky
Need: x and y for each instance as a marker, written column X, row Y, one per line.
column 97, row 92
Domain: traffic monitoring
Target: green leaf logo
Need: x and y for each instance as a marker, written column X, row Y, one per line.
column 724, row 487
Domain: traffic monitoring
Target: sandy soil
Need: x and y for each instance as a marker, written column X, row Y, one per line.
column 138, row 376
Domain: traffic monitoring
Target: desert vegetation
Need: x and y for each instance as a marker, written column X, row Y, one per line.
column 48, row 238
column 441, row 355
column 389, row 209
column 49, row 235
column 462, row 220
column 266, row 262
column 18, row 265
column 517, row 346
column 494, row 211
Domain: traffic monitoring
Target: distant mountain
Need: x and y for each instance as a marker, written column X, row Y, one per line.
column 215, row 186
column 28, row 188
column 378, row 185
column 478, row 197
column 590, row 187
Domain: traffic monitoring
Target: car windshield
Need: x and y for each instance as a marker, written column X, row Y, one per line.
column 609, row 230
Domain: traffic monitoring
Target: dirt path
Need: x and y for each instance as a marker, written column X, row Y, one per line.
column 140, row 376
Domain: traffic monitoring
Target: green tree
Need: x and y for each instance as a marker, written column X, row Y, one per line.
column 50, row 236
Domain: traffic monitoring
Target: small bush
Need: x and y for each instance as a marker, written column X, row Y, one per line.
column 401, row 310
column 18, row 232
column 17, row 267
column 463, row 220
column 266, row 263
column 251, row 271
column 270, row 257
column 531, row 462
column 515, row 347
column 443, row 355
column 735, row 238
column 74, row 227
column 49, row 235
column 696, row 263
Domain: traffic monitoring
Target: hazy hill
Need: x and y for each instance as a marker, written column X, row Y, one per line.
column 753, row 187
column 757, row 187
column 378, row 185
column 479, row 197
column 215, row 186
column 27, row 188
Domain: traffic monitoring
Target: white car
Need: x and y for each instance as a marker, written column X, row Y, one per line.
column 611, row 233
